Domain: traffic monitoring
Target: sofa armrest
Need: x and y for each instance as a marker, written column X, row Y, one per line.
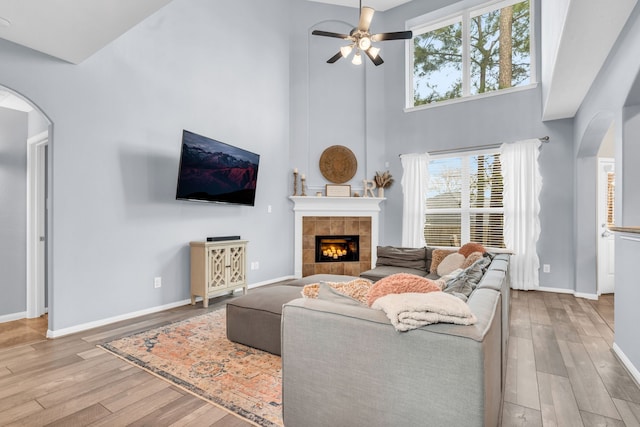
column 346, row 365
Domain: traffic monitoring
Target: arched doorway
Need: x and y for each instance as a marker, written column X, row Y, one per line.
column 35, row 147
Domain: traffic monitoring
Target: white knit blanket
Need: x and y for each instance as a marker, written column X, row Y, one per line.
column 413, row 310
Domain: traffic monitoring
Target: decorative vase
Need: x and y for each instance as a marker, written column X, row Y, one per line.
column 380, row 192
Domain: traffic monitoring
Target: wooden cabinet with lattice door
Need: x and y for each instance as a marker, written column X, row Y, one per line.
column 217, row 268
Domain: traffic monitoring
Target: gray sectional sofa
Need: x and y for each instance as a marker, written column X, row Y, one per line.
column 345, row 365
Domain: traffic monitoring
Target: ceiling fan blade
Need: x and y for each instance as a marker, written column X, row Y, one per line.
column 366, row 15
column 329, row 34
column 398, row 35
column 376, row 60
column 334, row 58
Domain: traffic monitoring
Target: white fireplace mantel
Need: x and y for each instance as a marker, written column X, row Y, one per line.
column 334, row 206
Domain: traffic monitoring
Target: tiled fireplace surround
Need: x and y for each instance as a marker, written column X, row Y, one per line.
column 334, row 216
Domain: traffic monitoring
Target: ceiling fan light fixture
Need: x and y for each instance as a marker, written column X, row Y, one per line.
column 346, row 50
column 357, row 59
column 364, row 43
column 374, row 51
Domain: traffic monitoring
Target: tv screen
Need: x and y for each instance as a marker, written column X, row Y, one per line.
column 213, row 171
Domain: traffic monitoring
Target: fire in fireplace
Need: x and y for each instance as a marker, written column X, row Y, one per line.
column 337, row 248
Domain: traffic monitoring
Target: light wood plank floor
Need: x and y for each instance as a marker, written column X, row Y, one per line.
column 561, row 372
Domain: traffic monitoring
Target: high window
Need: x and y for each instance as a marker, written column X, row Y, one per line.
column 464, row 200
column 472, row 52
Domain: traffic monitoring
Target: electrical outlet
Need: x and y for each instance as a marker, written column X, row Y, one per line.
column 157, row 282
column 546, row 268
column 255, row 265
column 269, row 209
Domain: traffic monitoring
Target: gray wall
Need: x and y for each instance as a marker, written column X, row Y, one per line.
column 603, row 106
column 220, row 69
column 497, row 119
column 13, row 211
column 334, row 104
column 630, row 175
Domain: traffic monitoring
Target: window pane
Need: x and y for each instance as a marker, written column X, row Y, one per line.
column 500, row 49
column 486, row 181
column 437, row 71
column 442, row 230
column 487, row 228
column 464, row 201
column 445, row 183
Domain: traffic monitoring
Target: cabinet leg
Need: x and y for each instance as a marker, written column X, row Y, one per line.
column 193, row 300
column 205, row 302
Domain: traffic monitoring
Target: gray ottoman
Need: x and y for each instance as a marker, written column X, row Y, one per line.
column 254, row 319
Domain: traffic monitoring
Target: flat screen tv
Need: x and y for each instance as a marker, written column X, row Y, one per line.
column 212, row 171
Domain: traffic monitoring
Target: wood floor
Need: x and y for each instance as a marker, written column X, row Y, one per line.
column 561, row 372
column 560, row 368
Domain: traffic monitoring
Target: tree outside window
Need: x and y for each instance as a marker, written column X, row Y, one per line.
column 478, row 51
column 464, row 201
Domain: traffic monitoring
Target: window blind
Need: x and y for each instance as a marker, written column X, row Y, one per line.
column 464, row 200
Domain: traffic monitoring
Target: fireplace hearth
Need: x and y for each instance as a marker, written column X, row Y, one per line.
column 337, row 248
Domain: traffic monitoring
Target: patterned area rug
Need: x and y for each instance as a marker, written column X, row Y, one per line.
column 196, row 355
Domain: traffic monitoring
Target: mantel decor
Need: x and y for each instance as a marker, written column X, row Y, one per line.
column 336, row 190
column 338, row 164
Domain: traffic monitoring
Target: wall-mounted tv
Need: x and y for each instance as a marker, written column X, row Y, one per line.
column 212, row 171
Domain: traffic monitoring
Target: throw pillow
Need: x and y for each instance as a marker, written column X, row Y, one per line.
column 400, row 283
column 436, row 258
column 357, row 289
column 327, row 293
column 451, row 262
column 471, row 247
column 475, row 256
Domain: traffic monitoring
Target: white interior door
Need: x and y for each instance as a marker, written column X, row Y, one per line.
column 36, row 229
column 606, row 240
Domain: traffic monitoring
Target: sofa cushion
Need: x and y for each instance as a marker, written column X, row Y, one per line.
column 414, row 258
column 387, row 270
column 401, row 283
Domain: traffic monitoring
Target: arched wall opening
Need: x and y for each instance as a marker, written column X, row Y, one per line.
column 27, row 172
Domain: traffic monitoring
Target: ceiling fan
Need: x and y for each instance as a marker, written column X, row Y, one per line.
column 362, row 40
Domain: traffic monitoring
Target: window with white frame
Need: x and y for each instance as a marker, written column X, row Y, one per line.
column 464, row 200
column 474, row 51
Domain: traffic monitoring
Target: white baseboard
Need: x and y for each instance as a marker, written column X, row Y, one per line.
column 627, row 363
column 95, row 324
column 14, row 316
column 556, row 290
column 568, row 291
column 586, row 296
column 271, row 281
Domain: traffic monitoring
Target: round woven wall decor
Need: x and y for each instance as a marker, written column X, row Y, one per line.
column 338, row 164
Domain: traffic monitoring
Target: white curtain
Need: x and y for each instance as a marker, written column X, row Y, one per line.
column 522, row 184
column 415, row 178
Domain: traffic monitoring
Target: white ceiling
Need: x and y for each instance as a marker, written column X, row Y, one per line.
column 380, row 5
column 73, row 30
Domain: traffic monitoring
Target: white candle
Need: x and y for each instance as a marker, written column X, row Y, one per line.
column 302, row 176
column 295, row 170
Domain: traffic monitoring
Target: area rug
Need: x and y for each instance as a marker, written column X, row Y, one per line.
column 196, row 355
